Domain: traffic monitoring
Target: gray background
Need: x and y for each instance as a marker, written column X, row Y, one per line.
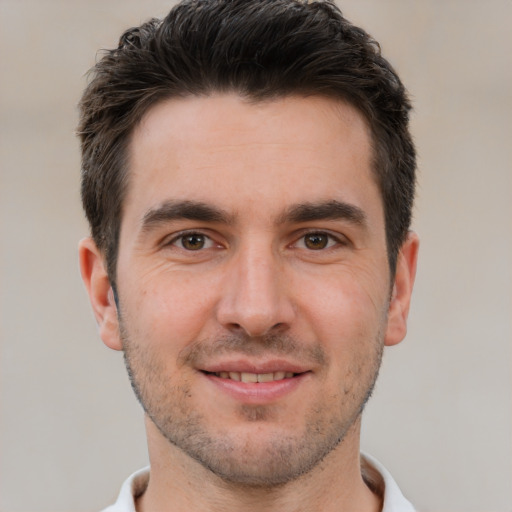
column 70, row 430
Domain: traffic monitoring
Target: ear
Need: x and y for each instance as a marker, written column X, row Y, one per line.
column 402, row 290
column 97, row 283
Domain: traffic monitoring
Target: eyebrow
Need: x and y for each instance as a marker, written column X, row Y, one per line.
column 177, row 210
column 202, row 212
column 326, row 210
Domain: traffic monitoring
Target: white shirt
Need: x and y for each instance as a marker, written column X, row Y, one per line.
column 394, row 500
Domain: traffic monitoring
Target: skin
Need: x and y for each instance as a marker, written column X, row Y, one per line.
column 276, row 260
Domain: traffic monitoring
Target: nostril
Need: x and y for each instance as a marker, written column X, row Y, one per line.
column 278, row 329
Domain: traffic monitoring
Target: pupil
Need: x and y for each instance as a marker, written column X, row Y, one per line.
column 316, row 241
column 193, row 242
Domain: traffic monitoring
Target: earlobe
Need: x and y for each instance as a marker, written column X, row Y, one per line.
column 97, row 283
column 402, row 290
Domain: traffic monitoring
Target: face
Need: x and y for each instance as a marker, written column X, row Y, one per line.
column 253, row 281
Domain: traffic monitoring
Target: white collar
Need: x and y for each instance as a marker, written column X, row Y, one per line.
column 394, row 500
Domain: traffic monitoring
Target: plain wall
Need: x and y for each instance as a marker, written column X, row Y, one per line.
column 440, row 419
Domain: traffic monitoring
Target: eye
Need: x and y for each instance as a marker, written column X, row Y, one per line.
column 317, row 241
column 193, row 241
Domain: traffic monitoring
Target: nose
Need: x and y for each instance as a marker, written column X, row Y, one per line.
column 255, row 297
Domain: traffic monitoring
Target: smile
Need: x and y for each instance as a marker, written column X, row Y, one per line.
column 255, row 377
column 256, row 387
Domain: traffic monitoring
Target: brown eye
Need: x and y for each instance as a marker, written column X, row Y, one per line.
column 193, row 242
column 316, row 241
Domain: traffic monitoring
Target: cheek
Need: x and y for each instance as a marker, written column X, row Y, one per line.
column 167, row 311
column 345, row 306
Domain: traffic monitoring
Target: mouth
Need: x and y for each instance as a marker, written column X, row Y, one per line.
column 254, row 377
column 256, row 384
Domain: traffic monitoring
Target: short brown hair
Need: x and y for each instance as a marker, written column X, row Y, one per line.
column 260, row 49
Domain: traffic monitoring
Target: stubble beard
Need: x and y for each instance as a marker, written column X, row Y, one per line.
column 242, row 460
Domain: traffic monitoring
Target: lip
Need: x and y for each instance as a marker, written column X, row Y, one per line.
column 256, row 393
column 274, row 365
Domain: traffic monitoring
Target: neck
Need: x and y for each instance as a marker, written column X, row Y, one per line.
column 180, row 484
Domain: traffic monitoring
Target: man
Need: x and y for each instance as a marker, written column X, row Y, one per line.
column 248, row 175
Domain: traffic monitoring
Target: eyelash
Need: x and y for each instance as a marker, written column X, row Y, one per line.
column 331, row 242
column 183, row 235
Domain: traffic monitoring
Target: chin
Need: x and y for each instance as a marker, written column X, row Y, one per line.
column 256, row 452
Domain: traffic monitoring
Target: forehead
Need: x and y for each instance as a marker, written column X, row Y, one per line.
column 265, row 154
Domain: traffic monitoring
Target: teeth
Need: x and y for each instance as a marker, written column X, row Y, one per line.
column 255, row 377
column 249, row 377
